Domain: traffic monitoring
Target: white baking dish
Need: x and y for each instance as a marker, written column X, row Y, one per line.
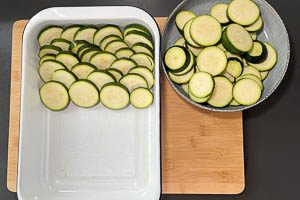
column 87, row 154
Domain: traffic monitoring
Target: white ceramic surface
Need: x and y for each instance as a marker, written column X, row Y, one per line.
column 86, row 154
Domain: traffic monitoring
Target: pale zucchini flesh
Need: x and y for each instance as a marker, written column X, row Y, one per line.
column 48, row 67
column 85, row 33
column 100, row 78
column 69, row 32
column 106, row 30
column 222, row 93
column 124, row 53
column 82, row 70
column 68, row 59
column 103, row 60
column 64, row 76
column 187, row 34
column 143, row 59
column 141, row 98
column 246, row 92
column 183, row 17
column 181, row 79
column 48, row 34
column 132, row 81
column 146, row 73
column 123, row 64
column 114, row 96
column 219, row 11
column 116, row 73
column 201, row 84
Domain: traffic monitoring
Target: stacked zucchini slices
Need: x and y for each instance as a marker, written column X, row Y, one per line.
column 87, row 64
column 218, row 60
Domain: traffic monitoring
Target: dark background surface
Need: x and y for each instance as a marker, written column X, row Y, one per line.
column 271, row 130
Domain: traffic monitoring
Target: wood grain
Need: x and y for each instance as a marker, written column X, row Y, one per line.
column 202, row 151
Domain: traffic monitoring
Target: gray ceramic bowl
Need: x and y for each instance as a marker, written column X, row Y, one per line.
column 274, row 32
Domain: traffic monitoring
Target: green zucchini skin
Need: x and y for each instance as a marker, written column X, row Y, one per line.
column 186, row 64
column 227, row 44
column 258, row 59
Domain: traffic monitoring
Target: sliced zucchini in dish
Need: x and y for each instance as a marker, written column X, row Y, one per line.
column 74, row 47
column 146, row 73
column 229, row 76
column 132, row 81
column 181, row 79
column 85, row 47
column 143, row 59
column 54, row 96
column 87, row 54
column 253, row 36
column 257, row 26
column 177, row 58
column 234, row 67
column 103, row 60
column 219, row 11
column 243, row 12
column 220, row 45
column 115, row 72
column 124, row 52
column 187, row 34
column 133, row 37
column 195, row 50
column 197, row 99
column 84, row 93
column 108, row 39
column 206, row 30
column 246, row 92
column 142, row 48
column 222, row 93
column 258, row 53
column 201, row 84
column 106, row 30
column 123, row 64
column 85, row 33
column 49, row 49
column 185, row 87
column 62, row 43
column 183, row 17
column 48, row 34
column 270, row 61
column 251, row 70
column 137, row 27
column 264, row 75
column 67, row 58
column 180, row 42
column 141, row 98
column 212, row 60
column 83, row 69
column 189, row 67
column 114, row 96
column 64, row 76
column 234, row 103
column 69, row 32
column 236, row 39
column 47, row 57
column 115, row 45
column 253, row 77
column 231, row 55
column 48, row 67
column 100, row 78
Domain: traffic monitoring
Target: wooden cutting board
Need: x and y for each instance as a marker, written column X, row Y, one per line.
column 202, row 151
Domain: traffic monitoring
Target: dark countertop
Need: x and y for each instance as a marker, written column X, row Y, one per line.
column 271, row 130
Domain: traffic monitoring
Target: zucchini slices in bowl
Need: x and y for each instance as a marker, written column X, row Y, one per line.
column 86, row 65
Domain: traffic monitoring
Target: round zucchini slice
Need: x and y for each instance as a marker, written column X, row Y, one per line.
column 132, row 81
column 47, row 57
column 123, row 64
column 85, row 33
column 222, row 93
column 54, row 96
column 48, row 67
column 67, row 58
column 234, row 67
column 107, row 30
column 183, row 17
column 49, row 49
column 116, row 73
column 83, row 69
column 219, row 11
column 124, row 52
column 74, row 47
column 201, row 84
column 143, row 59
column 100, row 78
column 257, row 26
column 251, row 70
column 84, row 93
column 141, row 98
column 137, row 27
column 114, row 96
column 177, row 58
column 87, row 54
column 64, row 76
column 145, row 72
column 115, row 45
column 181, row 79
column 246, row 92
column 48, row 34
column 195, row 50
column 258, row 53
column 69, row 32
column 134, row 36
column 108, row 39
column 189, row 67
column 61, row 43
column 142, row 48
column 187, row 34
column 234, row 103
column 103, row 60
column 196, row 99
column 253, row 77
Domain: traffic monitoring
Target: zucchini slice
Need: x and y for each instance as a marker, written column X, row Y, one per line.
column 107, row 40
column 47, row 57
column 231, row 55
column 133, row 37
column 107, row 30
column 187, row 34
column 206, row 30
column 103, row 60
column 258, row 53
column 180, row 42
column 212, row 60
column 253, row 36
column 189, row 67
column 61, row 43
column 243, row 12
column 87, row 54
column 48, row 67
column 220, row 46
column 183, row 17
column 236, row 39
column 270, row 61
column 83, row 69
column 67, row 58
column 143, row 59
column 54, row 96
column 115, row 72
column 132, row 81
column 197, row 99
column 229, row 76
column 48, row 34
column 222, row 93
column 100, row 78
column 253, row 77
column 69, row 32
column 85, row 33
column 64, row 76
column 114, row 96
column 124, row 52
column 251, row 70
column 84, row 93
column 177, row 58
column 142, row 48
column 115, row 45
column 141, row 98
column 257, row 26
column 195, row 50
column 201, row 84
column 185, row 87
column 85, row 47
column 234, row 103
column 74, row 47
column 49, row 49
column 137, row 27
column 146, row 73
column 123, row 64
column 181, row 79
column 264, row 75
column 219, row 11
column 246, row 92
column 234, row 67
